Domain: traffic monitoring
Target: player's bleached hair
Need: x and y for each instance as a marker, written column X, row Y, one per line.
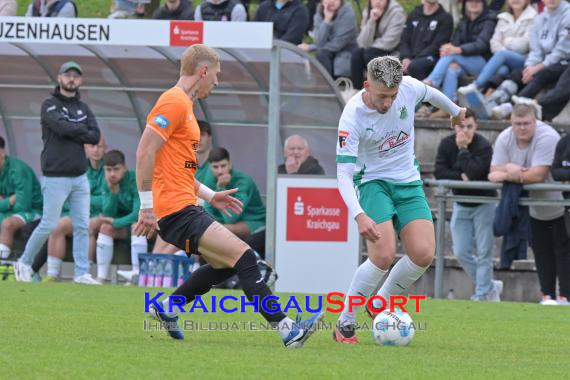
column 386, row 70
column 195, row 56
column 304, row 140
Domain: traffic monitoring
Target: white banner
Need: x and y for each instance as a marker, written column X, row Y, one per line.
column 254, row 35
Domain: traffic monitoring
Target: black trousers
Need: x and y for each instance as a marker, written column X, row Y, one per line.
column 544, row 79
column 421, row 67
column 551, row 247
column 326, row 58
column 555, row 100
column 358, row 62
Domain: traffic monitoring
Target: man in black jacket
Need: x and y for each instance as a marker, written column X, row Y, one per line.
column 67, row 124
column 290, row 19
column 174, row 10
column 466, row 156
column 298, row 159
column 428, row 27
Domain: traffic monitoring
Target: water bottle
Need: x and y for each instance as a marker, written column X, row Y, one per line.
column 180, row 274
column 450, row 295
column 167, row 278
column 150, row 278
column 158, row 272
column 143, row 273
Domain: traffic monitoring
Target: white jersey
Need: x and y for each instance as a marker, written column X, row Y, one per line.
column 381, row 145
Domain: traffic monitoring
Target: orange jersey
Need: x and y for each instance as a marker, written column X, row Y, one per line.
column 173, row 182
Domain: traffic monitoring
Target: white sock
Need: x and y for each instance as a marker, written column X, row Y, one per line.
column 180, row 253
column 364, row 282
column 401, row 277
column 54, row 266
column 285, row 330
column 139, row 244
column 104, row 255
column 4, row 251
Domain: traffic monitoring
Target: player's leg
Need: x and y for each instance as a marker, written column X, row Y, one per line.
column 94, row 227
column 105, row 245
column 240, row 229
column 57, row 246
column 160, row 246
column 139, row 244
column 9, row 226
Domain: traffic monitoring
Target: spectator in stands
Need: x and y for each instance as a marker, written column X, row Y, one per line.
column 8, row 8
column 466, row 156
column 380, row 32
column 554, row 100
column 120, row 211
column 52, row 8
column 128, row 8
column 289, row 17
column 509, row 45
column 67, row 124
column 298, row 159
column 468, row 50
column 220, row 10
column 174, row 10
column 57, row 243
column 334, row 35
column 20, row 198
column 428, row 27
column 524, row 154
column 546, row 61
column 252, row 217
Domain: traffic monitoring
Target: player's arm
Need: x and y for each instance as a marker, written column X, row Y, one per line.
column 149, row 145
column 436, row 98
column 222, row 200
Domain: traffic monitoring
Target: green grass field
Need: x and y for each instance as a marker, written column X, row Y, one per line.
column 66, row 331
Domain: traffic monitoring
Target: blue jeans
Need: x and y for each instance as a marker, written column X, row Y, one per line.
column 445, row 78
column 474, row 225
column 502, row 63
column 56, row 190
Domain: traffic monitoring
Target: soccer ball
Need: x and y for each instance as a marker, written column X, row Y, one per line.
column 393, row 329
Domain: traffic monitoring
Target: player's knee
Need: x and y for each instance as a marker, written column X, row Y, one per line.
column 382, row 262
column 8, row 225
column 423, row 256
column 106, row 229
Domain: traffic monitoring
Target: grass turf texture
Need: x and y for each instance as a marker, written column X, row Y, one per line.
column 61, row 330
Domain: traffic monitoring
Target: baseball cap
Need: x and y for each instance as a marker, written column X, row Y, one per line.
column 70, row 66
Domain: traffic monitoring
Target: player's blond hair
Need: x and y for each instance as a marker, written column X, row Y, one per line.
column 387, row 70
column 195, row 56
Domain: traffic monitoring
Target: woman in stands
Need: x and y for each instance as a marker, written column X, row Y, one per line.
column 334, row 35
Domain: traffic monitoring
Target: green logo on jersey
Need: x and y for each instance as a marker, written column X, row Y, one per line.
column 403, row 112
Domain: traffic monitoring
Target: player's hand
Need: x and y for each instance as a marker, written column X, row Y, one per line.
column 12, row 199
column 106, row 220
column 224, row 202
column 459, row 119
column 367, row 228
column 147, row 224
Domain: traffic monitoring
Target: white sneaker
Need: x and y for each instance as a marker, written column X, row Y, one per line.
column 128, row 274
column 498, row 284
column 563, row 301
column 502, row 111
column 530, row 102
column 547, row 300
column 467, row 89
column 86, row 279
column 23, row 272
column 495, row 294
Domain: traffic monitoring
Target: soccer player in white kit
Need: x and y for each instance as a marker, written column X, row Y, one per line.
column 375, row 158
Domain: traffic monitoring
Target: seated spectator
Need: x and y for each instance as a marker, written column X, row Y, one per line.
column 8, row 8
column 467, row 51
column 428, row 27
column 524, row 154
column 334, row 35
column 128, row 8
column 453, row 7
column 52, row 8
column 289, row 17
column 220, row 10
column 380, row 32
column 174, row 10
column 547, row 60
column 509, row 45
column 252, row 217
column 120, row 210
column 466, row 156
column 56, row 246
column 554, row 100
column 203, row 172
column 298, row 159
column 20, row 198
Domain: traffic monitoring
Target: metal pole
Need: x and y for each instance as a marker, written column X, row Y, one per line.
column 272, row 139
column 440, row 240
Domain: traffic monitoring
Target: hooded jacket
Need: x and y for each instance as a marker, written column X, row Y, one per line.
column 386, row 34
column 67, row 124
column 289, row 23
column 423, row 35
column 183, row 12
column 474, row 36
column 513, row 34
column 550, row 38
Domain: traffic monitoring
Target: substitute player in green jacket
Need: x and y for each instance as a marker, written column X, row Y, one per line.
column 20, row 198
column 252, row 218
column 120, row 212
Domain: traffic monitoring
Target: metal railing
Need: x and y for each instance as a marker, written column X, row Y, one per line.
column 442, row 194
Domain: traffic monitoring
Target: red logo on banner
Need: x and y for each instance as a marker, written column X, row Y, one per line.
column 316, row 215
column 186, row 33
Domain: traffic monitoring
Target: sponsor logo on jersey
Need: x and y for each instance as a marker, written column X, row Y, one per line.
column 161, row 121
column 342, row 136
